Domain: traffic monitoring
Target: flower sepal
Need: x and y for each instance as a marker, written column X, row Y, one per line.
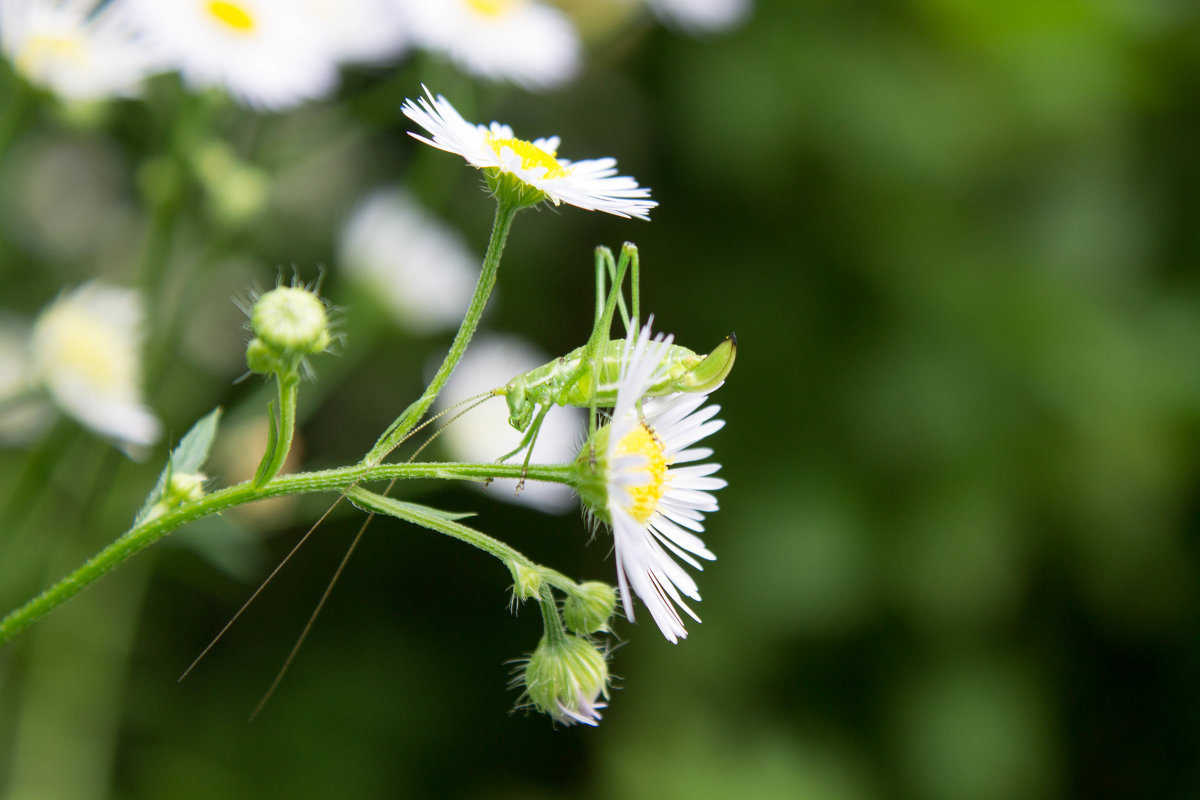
column 589, row 475
column 510, row 190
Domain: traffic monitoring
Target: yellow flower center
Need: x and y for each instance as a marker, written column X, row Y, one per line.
column 232, row 15
column 530, row 154
column 492, row 8
column 42, row 50
column 642, row 441
column 81, row 345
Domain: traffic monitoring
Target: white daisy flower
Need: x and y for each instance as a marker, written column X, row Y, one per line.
column 484, row 434
column 702, row 16
column 419, row 269
column 86, row 351
column 362, row 31
column 540, row 174
column 266, row 53
column 522, row 41
column 74, row 50
column 655, row 506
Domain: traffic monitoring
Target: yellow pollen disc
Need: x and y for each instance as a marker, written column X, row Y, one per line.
column 530, row 154
column 82, row 346
column 40, row 50
column 492, row 8
column 642, row 441
column 232, row 15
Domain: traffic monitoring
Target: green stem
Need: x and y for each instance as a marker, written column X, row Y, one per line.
column 282, row 430
column 551, row 621
column 395, row 434
column 142, row 536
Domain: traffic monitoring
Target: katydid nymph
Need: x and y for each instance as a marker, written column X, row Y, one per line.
column 587, row 376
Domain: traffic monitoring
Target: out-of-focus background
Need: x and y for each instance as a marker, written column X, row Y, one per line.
column 957, row 557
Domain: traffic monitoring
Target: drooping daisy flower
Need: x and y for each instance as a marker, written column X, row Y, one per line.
column 534, row 166
column 268, row 54
column 73, row 50
column 567, row 678
column 701, row 16
column 420, row 269
column 522, row 41
column 484, row 434
column 629, row 476
column 86, row 351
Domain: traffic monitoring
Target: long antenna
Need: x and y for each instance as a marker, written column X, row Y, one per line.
column 308, row 626
column 475, row 403
column 479, row 398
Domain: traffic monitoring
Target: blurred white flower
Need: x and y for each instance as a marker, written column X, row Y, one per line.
column 522, row 41
column 421, row 270
column 23, row 415
column 74, row 50
column 484, row 434
column 86, row 351
column 702, row 16
column 268, row 54
column 361, row 30
column 592, row 184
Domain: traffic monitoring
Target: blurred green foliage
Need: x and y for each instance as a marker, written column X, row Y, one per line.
column 958, row 243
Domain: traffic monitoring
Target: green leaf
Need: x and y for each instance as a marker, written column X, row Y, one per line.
column 188, row 456
column 270, row 462
column 401, row 509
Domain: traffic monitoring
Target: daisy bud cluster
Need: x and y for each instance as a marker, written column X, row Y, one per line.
column 290, row 323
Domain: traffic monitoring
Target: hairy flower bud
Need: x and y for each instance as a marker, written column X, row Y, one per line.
column 291, row 318
column 527, row 581
column 566, row 679
column 588, row 609
column 289, row 323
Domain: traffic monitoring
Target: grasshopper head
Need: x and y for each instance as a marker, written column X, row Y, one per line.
column 520, row 410
column 713, row 368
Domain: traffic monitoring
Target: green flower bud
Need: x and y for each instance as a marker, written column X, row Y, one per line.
column 184, row 487
column 527, row 581
column 261, row 358
column 291, row 319
column 237, row 192
column 566, row 679
column 588, row 608
column 290, row 323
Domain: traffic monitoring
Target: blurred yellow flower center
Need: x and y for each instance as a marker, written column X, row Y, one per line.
column 78, row 344
column 232, row 15
column 41, row 51
column 492, row 8
column 530, row 154
column 642, row 441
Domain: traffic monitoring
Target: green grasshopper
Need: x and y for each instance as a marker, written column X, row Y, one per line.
column 587, row 376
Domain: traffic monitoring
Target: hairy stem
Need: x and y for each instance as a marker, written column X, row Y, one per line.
column 150, row 531
column 483, row 289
